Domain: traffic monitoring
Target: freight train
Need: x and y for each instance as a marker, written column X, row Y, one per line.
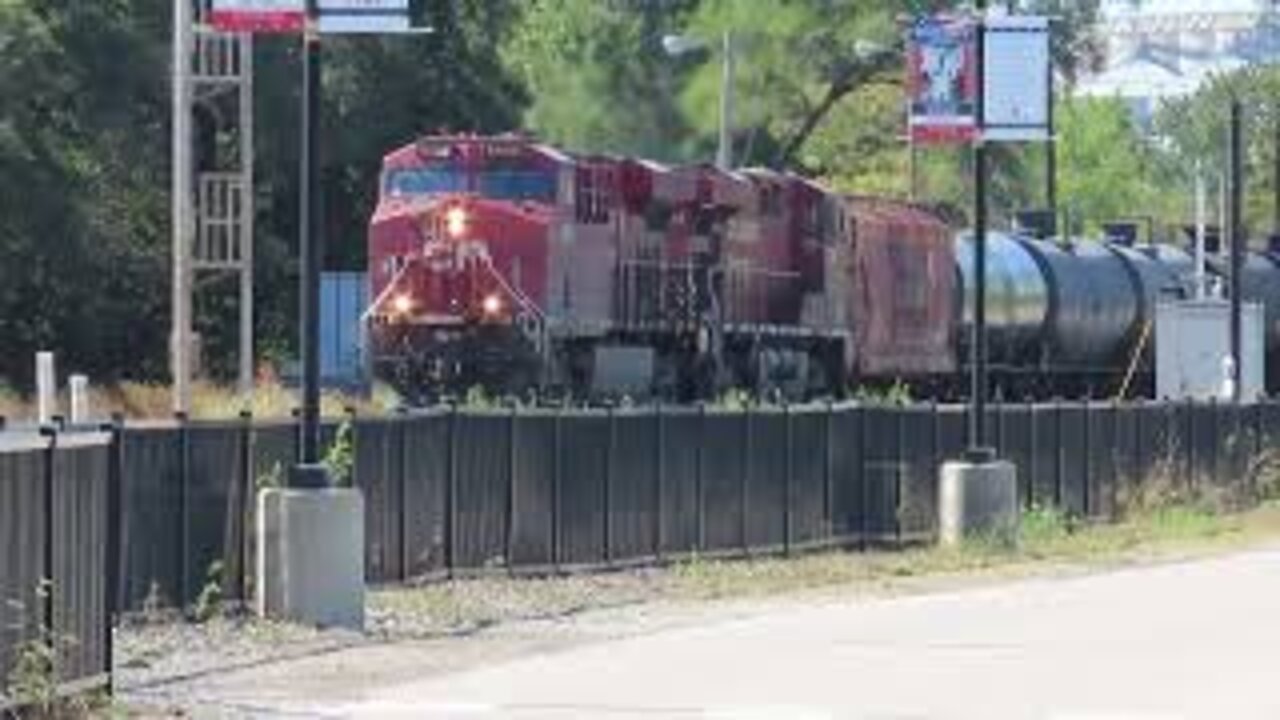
column 505, row 263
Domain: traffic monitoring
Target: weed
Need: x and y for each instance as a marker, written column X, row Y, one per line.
column 209, row 601
column 271, row 479
column 153, row 605
column 33, row 684
column 340, row 458
column 898, row 394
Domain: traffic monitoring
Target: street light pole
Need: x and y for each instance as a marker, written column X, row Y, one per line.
column 311, row 244
column 978, row 449
column 724, row 153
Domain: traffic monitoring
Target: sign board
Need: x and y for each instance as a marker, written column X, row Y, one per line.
column 942, row 80
column 289, row 16
column 364, row 16
column 1015, row 79
column 258, row 16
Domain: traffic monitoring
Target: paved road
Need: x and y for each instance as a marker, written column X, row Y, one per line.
column 1175, row 642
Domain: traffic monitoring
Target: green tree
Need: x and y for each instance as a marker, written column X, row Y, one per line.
column 597, row 77
column 1105, row 164
column 1194, row 130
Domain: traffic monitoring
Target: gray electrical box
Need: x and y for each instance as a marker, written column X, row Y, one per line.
column 1193, row 348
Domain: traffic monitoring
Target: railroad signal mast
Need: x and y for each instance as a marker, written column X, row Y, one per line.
column 213, row 185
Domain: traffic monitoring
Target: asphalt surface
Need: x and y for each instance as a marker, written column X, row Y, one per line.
column 1172, row 642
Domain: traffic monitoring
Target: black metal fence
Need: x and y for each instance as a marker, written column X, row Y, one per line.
column 452, row 493
column 56, row 505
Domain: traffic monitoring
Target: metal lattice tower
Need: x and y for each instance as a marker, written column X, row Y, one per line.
column 213, row 187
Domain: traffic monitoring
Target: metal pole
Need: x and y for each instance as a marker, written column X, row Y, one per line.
column 1275, row 119
column 1200, row 201
column 978, row 449
column 724, row 153
column 246, row 215
column 180, row 334
column 1237, row 241
column 311, row 242
column 1051, row 155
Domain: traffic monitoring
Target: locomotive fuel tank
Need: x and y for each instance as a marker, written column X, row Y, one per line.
column 1094, row 306
column 1017, row 296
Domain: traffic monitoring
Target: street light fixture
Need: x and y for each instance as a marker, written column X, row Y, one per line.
column 677, row 45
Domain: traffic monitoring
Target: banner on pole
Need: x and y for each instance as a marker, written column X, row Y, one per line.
column 942, row 80
column 258, row 16
column 364, row 16
column 1015, row 80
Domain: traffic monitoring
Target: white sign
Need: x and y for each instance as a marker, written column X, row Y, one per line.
column 364, row 16
column 1016, row 82
column 261, row 16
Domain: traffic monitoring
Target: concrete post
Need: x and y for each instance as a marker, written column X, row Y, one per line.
column 977, row 499
column 311, row 556
column 78, row 386
column 46, row 388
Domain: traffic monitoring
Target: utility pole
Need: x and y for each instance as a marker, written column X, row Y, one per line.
column 180, row 334
column 724, row 153
column 311, row 241
column 1237, row 240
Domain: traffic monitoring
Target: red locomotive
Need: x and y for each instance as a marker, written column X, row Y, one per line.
column 505, row 263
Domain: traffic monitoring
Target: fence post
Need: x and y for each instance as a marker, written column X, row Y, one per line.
column 47, row 570
column 556, row 466
column 451, row 496
column 184, row 479
column 699, row 476
column 1033, row 455
column 113, row 601
column 1216, row 465
column 745, row 483
column 1060, row 459
column 659, row 479
column 609, row 458
column 513, row 475
column 1088, row 458
column 245, row 509
column 789, row 484
column 828, row 463
column 402, row 474
column 899, row 471
column 1117, row 429
column 864, row 502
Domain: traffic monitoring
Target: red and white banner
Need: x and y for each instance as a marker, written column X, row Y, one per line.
column 259, row 16
column 942, row 80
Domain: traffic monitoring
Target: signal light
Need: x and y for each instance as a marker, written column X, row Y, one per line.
column 492, row 305
column 402, row 304
column 455, row 222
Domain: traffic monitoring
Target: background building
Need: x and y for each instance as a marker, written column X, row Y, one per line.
column 1158, row 49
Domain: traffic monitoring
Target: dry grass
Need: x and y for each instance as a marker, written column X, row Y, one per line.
column 208, row 401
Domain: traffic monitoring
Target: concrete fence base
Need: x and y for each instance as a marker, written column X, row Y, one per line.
column 311, row 556
column 977, row 500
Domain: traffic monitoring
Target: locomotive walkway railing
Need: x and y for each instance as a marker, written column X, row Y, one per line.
column 454, row 493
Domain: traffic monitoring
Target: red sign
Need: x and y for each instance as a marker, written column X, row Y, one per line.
column 942, row 80
column 258, row 16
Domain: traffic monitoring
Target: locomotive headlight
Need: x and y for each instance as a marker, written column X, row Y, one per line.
column 402, row 304
column 455, row 222
column 492, row 305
